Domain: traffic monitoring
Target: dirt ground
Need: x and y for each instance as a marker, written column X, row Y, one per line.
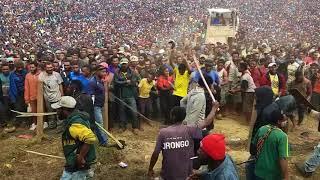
column 17, row 164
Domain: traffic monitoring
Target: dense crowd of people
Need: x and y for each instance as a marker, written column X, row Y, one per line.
column 148, row 58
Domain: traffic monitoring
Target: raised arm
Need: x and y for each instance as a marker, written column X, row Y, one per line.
column 209, row 119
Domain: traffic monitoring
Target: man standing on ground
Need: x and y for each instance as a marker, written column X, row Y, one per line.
column 16, row 87
column 303, row 85
column 4, row 78
column 247, row 88
column 52, row 91
column 181, row 81
column 275, row 80
column 97, row 92
column 31, row 89
column 125, row 82
column 80, row 154
column 271, row 148
column 176, row 144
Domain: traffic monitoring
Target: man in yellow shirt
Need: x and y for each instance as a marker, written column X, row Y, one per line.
column 145, row 87
column 77, row 140
column 181, row 81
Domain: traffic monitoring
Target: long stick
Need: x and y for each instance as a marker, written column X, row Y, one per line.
column 149, row 121
column 42, row 154
column 203, row 79
column 110, row 135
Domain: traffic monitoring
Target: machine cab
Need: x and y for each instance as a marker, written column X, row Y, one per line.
column 222, row 25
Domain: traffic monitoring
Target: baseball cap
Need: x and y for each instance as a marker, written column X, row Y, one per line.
column 272, row 64
column 134, row 59
column 214, row 146
column 124, row 61
column 104, row 64
column 203, row 56
column 208, row 62
column 65, row 101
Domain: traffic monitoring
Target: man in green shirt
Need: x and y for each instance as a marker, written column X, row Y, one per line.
column 272, row 150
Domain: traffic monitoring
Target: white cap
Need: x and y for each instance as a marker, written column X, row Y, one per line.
column 134, row 59
column 65, row 101
column 161, row 51
column 272, row 64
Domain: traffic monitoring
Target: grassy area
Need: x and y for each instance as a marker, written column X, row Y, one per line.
column 17, row 164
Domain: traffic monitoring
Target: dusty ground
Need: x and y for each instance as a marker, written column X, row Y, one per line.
column 17, row 164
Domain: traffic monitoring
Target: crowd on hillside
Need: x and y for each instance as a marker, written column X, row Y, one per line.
column 27, row 25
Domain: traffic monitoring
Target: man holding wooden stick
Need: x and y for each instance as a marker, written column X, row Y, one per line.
column 77, row 139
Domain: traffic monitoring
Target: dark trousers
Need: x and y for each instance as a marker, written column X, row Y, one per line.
column 301, row 110
column 315, row 100
column 4, row 110
column 113, row 115
column 21, row 106
column 165, row 104
column 155, row 106
column 125, row 113
column 145, row 106
column 175, row 100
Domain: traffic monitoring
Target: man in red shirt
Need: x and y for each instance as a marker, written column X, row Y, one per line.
column 255, row 73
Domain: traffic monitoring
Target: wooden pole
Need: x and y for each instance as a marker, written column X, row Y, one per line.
column 106, row 107
column 40, row 109
column 252, row 122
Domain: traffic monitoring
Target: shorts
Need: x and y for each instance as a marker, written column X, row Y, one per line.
column 247, row 104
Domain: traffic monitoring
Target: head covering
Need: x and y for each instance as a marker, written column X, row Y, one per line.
column 134, row 59
column 124, row 61
column 209, row 62
column 104, row 64
column 214, row 146
column 287, row 104
column 264, row 97
column 65, row 101
column 203, row 56
column 272, row 64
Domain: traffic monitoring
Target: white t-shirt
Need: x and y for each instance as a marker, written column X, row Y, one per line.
column 51, row 85
column 247, row 77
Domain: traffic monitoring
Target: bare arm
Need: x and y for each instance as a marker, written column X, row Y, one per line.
column 284, row 168
column 153, row 160
column 61, row 89
column 185, row 61
column 209, row 119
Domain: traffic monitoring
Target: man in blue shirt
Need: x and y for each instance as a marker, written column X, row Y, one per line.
column 77, row 75
column 16, row 87
column 97, row 92
column 208, row 70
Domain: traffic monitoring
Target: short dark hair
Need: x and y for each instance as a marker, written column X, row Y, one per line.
column 275, row 116
column 19, row 63
column 235, row 52
column 178, row 114
column 74, row 62
column 77, row 84
column 244, row 65
column 182, row 67
column 5, row 64
column 35, row 63
column 86, row 66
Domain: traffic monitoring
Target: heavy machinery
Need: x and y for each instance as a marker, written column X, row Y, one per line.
column 222, row 26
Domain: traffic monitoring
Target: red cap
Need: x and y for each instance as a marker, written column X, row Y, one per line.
column 215, row 146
